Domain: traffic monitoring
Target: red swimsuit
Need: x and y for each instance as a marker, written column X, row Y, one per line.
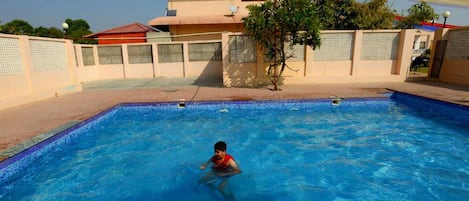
column 221, row 164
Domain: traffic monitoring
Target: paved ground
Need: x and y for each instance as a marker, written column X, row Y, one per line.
column 22, row 126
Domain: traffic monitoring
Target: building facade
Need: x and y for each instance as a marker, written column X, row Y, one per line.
column 202, row 19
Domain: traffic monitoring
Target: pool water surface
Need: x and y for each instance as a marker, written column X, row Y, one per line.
column 400, row 148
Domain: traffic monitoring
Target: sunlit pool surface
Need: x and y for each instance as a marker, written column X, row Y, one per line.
column 398, row 148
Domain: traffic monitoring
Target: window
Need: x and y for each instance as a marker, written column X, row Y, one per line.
column 423, row 45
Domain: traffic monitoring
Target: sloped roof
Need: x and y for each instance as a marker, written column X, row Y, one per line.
column 450, row 2
column 185, row 20
column 129, row 28
column 429, row 25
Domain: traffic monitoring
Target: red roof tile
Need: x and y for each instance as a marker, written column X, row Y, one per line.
column 129, row 28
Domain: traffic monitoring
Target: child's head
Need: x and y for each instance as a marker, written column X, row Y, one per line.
column 221, row 146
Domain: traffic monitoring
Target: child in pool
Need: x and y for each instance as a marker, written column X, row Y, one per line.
column 223, row 166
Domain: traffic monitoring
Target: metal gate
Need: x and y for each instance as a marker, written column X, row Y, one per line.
column 438, row 58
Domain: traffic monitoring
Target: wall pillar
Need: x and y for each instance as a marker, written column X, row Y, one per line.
column 357, row 51
column 125, row 60
column 404, row 53
column 186, row 66
column 80, row 63
column 154, row 51
column 309, row 58
column 27, row 60
column 225, row 51
column 72, row 63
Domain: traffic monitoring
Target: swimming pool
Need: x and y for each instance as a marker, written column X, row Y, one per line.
column 405, row 147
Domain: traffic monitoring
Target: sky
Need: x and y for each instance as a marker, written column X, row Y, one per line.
column 106, row 14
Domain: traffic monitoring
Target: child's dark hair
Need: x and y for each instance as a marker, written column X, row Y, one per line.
column 220, row 146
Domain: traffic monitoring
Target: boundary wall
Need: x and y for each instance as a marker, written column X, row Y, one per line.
column 454, row 67
column 34, row 68
column 344, row 57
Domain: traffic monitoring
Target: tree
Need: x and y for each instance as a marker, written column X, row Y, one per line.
column 275, row 23
column 19, row 27
column 418, row 13
column 336, row 14
column 373, row 14
column 77, row 29
column 55, row 32
column 50, row 32
column 352, row 15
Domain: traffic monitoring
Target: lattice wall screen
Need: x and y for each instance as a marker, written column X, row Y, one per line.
column 205, row 52
column 11, row 61
column 380, row 46
column 48, row 56
column 458, row 41
column 242, row 49
column 335, row 47
column 295, row 52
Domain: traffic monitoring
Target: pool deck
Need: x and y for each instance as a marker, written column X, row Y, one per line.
column 23, row 126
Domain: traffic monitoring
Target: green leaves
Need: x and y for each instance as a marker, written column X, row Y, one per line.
column 19, row 27
column 77, row 29
column 272, row 24
column 418, row 13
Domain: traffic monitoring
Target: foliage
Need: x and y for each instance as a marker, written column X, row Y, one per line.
column 273, row 24
column 19, row 27
column 373, row 14
column 51, row 32
column 352, row 15
column 77, row 29
column 418, row 13
column 336, row 14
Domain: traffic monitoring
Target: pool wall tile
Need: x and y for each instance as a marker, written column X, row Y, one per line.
column 453, row 111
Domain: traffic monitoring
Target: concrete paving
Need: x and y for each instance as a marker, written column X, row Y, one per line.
column 24, row 126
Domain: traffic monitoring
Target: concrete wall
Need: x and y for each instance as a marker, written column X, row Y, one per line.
column 158, row 37
column 33, row 68
column 455, row 64
column 197, row 32
column 359, row 68
column 182, row 67
column 210, row 7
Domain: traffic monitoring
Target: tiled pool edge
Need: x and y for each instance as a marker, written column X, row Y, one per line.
column 399, row 95
column 7, row 167
column 7, row 153
column 430, row 99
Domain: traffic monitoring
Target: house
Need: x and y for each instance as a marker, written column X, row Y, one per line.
column 130, row 33
column 424, row 35
column 202, row 20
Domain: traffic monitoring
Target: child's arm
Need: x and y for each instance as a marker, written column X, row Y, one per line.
column 204, row 165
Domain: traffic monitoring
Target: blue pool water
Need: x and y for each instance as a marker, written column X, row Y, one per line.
column 404, row 148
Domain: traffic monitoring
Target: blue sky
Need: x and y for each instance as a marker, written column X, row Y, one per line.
column 105, row 14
